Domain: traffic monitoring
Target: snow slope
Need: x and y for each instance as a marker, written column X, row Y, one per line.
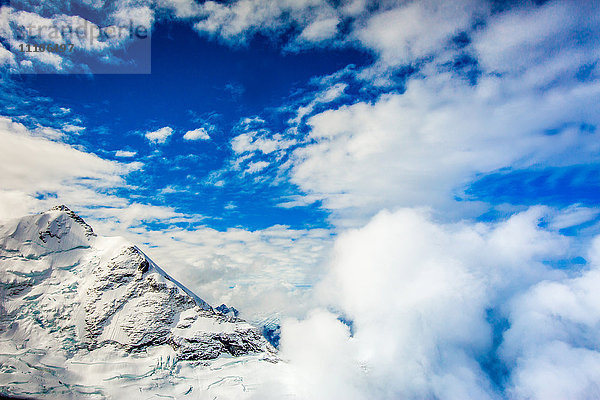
column 89, row 316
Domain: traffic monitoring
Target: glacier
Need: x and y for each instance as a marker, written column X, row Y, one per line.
column 86, row 316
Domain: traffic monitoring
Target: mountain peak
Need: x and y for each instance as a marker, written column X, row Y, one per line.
column 63, row 208
column 76, row 304
column 60, row 207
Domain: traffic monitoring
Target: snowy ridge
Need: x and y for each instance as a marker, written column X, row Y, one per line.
column 74, row 304
column 199, row 302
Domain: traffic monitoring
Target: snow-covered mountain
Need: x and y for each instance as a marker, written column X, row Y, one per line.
column 85, row 315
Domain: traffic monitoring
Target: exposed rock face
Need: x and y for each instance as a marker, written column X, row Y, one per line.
column 231, row 311
column 64, row 289
column 206, row 346
column 76, row 218
column 124, row 283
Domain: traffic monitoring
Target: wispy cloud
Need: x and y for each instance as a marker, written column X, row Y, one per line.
column 125, row 153
column 256, row 166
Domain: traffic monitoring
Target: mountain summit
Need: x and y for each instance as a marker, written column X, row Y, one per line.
column 86, row 315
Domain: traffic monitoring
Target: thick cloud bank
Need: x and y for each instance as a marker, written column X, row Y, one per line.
column 451, row 311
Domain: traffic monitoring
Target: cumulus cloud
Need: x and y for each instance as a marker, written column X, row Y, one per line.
column 416, row 29
column 552, row 346
column 181, row 8
column 197, row 134
column 137, row 15
column 159, row 136
column 256, row 141
column 320, row 30
column 256, row 138
column 321, row 355
column 125, row 153
column 33, row 166
column 232, row 21
column 237, row 21
column 425, row 301
column 543, row 42
column 423, row 146
column 399, row 32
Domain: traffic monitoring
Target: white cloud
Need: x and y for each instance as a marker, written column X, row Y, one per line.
column 331, row 93
column 28, row 27
column 33, row 165
column 552, row 344
column 159, row 136
column 6, row 57
column 232, row 21
column 70, row 128
column 398, row 32
column 573, row 216
column 242, row 143
column 181, row 8
column 262, row 272
column 49, row 133
column 323, row 97
column 423, row 146
column 197, row 134
column 258, row 139
column 237, row 21
column 135, row 15
column 416, row 29
column 254, row 141
column 419, row 295
column 125, row 153
column 320, row 30
column 298, row 201
column 321, row 354
column 543, row 42
column 256, row 166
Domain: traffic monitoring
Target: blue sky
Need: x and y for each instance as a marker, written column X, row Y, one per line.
column 315, row 159
column 211, row 83
column 194, row 83
column 312, row 115
column 198, row 82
